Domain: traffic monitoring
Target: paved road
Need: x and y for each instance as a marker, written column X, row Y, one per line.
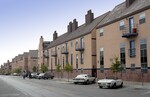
column 54, row 88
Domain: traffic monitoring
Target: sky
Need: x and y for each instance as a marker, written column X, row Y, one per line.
column 22, row 22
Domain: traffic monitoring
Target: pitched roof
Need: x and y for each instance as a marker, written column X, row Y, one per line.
column 121, row 11
column 80, row 31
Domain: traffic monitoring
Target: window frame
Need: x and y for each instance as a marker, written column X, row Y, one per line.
column 122, row 25
column 101, row 31
column 142, row 18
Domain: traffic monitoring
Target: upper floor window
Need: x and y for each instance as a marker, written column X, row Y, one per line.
column 81, row 42
column 142, row 18
column 101, row 32
column 71, row 44
column 122, row 25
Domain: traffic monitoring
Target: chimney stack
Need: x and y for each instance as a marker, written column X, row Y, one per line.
column 74, row 25
column 129, row 2
column 70, row 27
column 54, row 35
column 89, row 17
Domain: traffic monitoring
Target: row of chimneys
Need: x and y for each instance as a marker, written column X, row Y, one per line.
column 89, row 17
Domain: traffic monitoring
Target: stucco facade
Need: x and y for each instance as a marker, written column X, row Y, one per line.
column 113, row 40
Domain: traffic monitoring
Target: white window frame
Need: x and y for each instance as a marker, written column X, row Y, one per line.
column 101, row 31
column 142, row 16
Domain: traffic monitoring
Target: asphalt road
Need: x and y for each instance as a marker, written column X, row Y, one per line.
column 12, row 86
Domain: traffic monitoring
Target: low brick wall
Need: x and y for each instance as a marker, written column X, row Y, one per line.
column 128, row 75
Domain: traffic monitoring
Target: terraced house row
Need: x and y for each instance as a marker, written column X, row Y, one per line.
column 25, row 62
column 91, row 47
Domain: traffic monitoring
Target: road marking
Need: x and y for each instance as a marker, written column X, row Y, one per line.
column 146, row 93
column 10, row 95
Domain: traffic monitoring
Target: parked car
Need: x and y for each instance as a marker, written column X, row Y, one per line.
column 34, row 74
column 110, row 82
column 84, row 78
column 45, row 76
column 15, row 74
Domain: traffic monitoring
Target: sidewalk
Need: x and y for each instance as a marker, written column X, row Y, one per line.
column 63, row 80
column 135, row 85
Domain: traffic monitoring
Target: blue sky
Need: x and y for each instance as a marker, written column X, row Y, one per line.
column 22, row 22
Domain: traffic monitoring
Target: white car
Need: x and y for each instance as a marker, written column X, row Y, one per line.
column 40, row 76
column 84, row 78
column 110, row 83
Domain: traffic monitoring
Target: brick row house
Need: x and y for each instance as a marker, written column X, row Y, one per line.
column 6, row 68
column 91, row 47
column 42, row 52
column 125, row 33
column 25, row 61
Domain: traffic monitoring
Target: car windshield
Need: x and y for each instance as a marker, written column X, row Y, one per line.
column 82, row 75
column 115, row 78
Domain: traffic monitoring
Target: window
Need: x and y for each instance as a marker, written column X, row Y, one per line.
column 81, row 43
column 76, row 45
column 131, row 24
column 82, row 61
column 77, row 62
column 71, row 59
column 132, row 67
column 102, row 68
column 101, row 56
column 132, row 50
column 66, row 47
column 122, row 53
column 143, row 50
column 71, row 44
column 63, row 63
column 142, row 18
column 101, row 31
column 67, row 58
column 122, row 25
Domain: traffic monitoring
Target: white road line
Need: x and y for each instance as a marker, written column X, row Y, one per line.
column 146, row 93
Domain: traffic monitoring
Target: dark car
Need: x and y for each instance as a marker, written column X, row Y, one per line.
column 45, row 76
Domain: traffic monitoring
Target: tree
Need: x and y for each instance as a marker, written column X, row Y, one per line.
column 34, row 69
column 116, row 66
column 58, row 69
column 17, row 70
column 68, row 68
column 44, row 68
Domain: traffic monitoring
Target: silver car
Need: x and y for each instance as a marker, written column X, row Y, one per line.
column 84, row 78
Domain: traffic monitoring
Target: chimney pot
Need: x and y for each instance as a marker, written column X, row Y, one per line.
column 70, row 27
column 74, row 25
column 54, row 35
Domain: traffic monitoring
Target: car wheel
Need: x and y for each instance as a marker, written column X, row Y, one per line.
column 75, row 82
column 100, row 86
column 114, row 86
column 93, row 81
column 87, row 82
column 121, row 84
